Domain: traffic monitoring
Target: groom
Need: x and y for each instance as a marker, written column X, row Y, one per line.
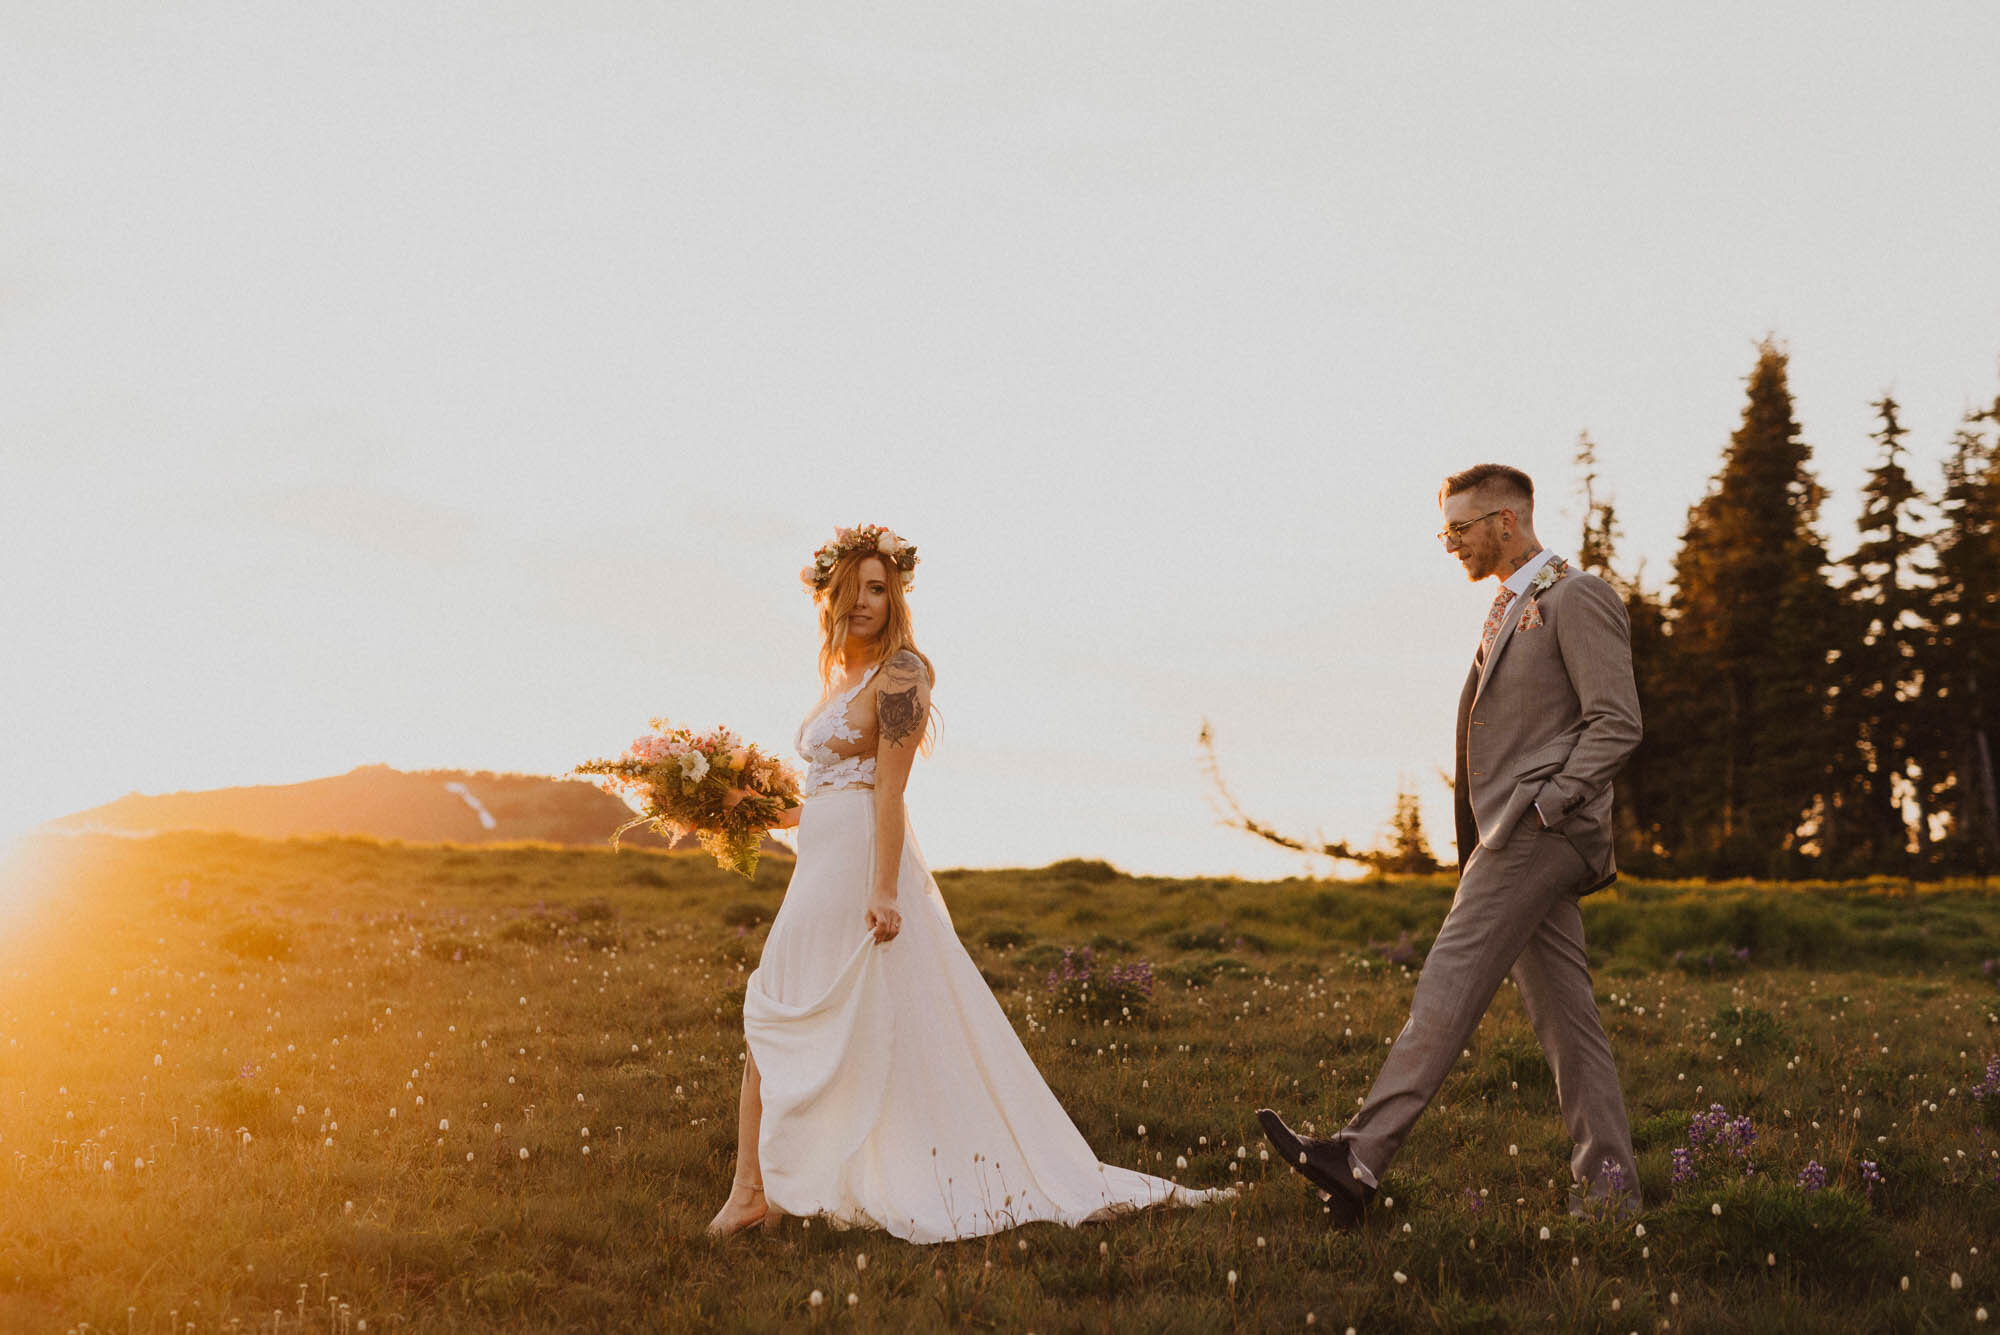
column 1548, row 714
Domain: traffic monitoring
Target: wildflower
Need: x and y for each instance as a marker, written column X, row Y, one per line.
column 1683, row 1165
column 1991, row 1084
column 1871, row 1178
column 1812, row 1177
column 815, row 1299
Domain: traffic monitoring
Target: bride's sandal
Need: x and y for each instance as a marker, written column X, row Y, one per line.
column 733, row 1218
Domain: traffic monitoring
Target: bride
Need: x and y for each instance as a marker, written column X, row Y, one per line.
column 884, row 1086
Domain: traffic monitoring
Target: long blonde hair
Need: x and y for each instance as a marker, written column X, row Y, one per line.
column 836, row 601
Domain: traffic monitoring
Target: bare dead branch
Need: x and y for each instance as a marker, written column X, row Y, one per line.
column 1236, row 818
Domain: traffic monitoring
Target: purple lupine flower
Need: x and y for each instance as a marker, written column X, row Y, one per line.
column 1613, row 1174
column 1812, row 1177
column 1991, row 1084
column 1683, row 1165
column 1871, row 1177
column 1134, row 979
column 1075, row 968
column 1706, row 1128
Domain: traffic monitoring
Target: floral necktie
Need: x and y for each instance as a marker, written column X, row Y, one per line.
column 1494, row 616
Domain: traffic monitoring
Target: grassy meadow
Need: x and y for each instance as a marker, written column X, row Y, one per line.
column 339, row 1085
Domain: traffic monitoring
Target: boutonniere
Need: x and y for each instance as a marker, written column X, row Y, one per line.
column 1544, row 580
column 1546, row 577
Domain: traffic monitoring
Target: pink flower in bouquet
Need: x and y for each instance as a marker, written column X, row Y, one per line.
column 885, row 543
column 739, row 757
column 649, row 748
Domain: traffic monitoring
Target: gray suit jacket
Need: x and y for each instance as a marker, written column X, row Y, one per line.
column 1549, row 720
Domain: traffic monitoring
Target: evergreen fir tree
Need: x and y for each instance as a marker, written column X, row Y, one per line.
column 1645, row 791
column 1754, row 629
column 1409, row 851
column 1882, row 683
column 1965, row 655
column 1596, row 549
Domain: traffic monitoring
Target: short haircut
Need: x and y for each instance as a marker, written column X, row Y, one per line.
column 1491, row 478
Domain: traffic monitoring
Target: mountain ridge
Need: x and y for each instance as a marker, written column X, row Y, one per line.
column 380, row 801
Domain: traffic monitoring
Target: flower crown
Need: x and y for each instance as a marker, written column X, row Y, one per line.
column 864, row 538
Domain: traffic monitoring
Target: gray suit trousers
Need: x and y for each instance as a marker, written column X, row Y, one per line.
column 1515, row 912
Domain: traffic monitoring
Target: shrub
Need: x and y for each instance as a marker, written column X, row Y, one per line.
column 1092, row 870
column 1079, row 985
column 1216, row 936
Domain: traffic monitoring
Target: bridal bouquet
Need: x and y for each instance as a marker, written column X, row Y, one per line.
column 720, row 789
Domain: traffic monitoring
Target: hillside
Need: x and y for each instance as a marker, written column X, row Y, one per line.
column 248, row 1084
column 427, row 806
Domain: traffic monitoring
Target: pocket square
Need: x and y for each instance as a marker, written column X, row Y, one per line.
column 1531, row 616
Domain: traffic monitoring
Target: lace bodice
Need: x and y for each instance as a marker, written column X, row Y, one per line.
column 828, row 769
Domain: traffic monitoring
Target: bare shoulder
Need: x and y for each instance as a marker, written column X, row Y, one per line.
column 905, row 667
column 903, row 699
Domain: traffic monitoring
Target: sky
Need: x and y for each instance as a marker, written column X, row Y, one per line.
column 462, row 384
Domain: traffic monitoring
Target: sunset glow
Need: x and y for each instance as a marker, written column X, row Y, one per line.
column 364, row 408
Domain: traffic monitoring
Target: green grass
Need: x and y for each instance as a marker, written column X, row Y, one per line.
column 229, row 1023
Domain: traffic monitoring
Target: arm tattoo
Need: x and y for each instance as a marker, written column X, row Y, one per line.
column 899, row 713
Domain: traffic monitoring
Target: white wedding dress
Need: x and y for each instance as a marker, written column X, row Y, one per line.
column 896, row 1094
